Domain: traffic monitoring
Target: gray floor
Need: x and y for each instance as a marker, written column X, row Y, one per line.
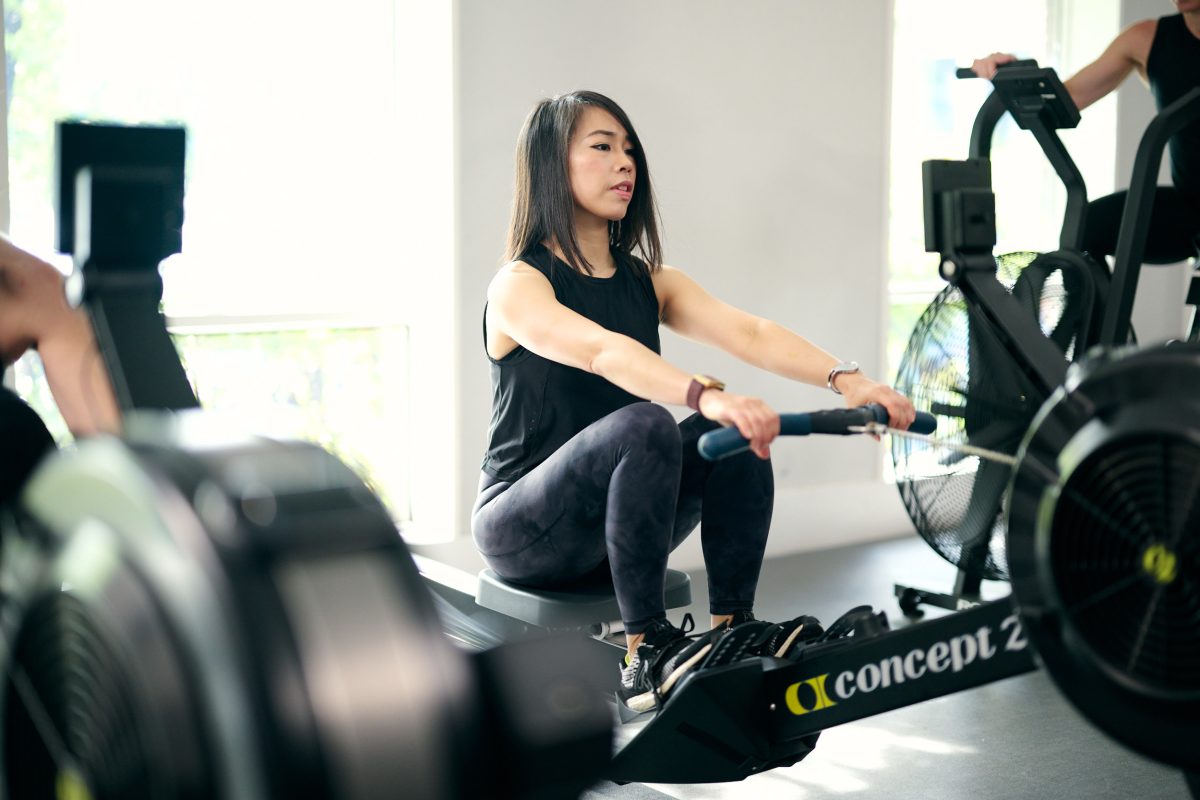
column 1017, row 738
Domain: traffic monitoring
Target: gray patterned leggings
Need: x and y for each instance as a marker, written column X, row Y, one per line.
column 620, row 496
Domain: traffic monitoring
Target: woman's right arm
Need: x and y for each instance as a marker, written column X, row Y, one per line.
column 1129, row 51
column 522, row 307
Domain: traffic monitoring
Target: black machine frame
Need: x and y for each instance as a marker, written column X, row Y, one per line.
column 729, row 722
column 960, row 225
column 119, row 204
column 726, row 723
column 734, row 721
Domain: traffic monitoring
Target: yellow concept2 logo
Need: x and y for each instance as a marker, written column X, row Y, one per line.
column 821, row 699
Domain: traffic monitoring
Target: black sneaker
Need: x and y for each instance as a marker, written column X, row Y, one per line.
column 740, row 617
column 659, row 636
column 787, row 639
column 795, row 636
column 860, row 621
column 737, row 642
column 665, row 655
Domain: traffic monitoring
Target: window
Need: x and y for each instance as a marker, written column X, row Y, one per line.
column 297, row 295
column 339, row 383
column 932, row 113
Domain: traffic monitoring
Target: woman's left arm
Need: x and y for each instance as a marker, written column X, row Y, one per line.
column 690, row 311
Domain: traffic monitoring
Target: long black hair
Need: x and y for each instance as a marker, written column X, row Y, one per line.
column 543, row 206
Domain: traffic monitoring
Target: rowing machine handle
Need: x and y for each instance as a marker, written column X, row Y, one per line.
column 725, row 442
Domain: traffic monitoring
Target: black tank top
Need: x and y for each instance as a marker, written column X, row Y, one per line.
column 1173, row 68
column 538, row 404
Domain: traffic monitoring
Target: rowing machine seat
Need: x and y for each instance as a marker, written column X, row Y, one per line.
column 574, row 606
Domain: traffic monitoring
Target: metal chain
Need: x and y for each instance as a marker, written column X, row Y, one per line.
column 1047, row 475
column 878, row 428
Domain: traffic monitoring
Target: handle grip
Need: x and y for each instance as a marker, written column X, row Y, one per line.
column 963, row 73
column 726, row 442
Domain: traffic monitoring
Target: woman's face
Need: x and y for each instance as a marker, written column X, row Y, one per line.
column 601, row 166
column 1187, row 6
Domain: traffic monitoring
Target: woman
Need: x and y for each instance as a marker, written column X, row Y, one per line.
column 581, row 475
column 1165, row 53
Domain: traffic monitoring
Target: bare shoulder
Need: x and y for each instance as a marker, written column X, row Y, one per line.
column 669, row 277
column 1134, row 42
column 669, row 282
column 518, row 268
column 1141, row 29
column 515, row 276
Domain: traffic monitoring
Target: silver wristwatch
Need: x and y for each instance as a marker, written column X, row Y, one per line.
column 841, row 368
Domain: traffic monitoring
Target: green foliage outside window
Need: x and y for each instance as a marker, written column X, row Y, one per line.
column 341, row 388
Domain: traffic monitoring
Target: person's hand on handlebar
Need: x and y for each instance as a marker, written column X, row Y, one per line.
column 859, row 391
column 986, row 67
column 753, row 418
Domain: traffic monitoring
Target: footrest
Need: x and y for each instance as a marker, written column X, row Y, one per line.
column 713, row 728
column 575, row 606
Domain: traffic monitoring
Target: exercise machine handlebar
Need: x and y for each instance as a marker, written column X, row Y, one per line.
column 966, row 73
column 1135, row 219
column 1039, row 103
column 725, row 442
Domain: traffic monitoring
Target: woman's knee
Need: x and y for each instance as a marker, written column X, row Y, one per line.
column 647, row 426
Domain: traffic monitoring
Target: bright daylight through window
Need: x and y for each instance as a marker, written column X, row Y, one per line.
column 289, row 304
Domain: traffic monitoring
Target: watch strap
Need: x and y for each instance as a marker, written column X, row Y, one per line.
column 697, row 386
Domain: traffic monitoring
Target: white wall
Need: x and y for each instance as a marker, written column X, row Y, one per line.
column 765, row 125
